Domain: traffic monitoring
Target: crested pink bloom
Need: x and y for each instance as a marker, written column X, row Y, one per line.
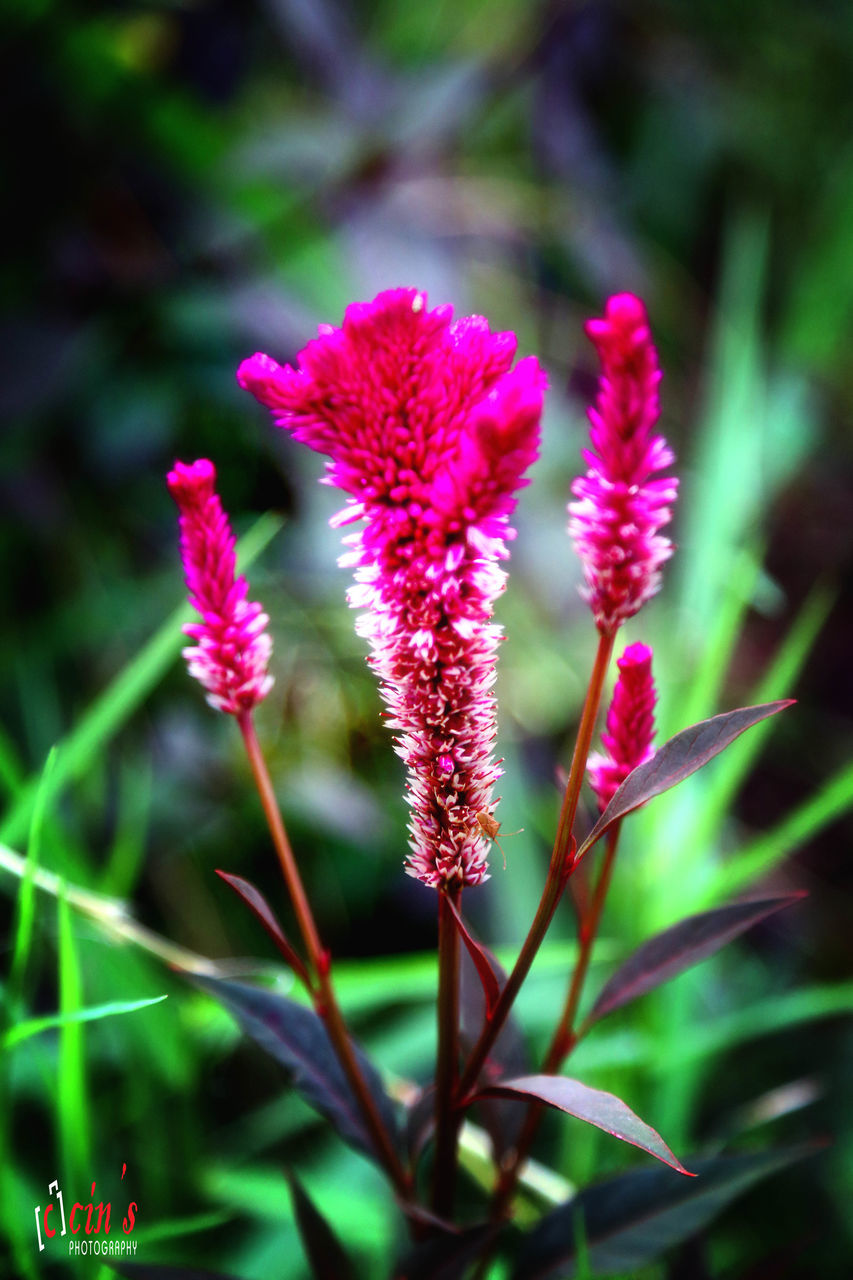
column 232, row 647
column 619, row 511
column 630, row 725
column 429, row 432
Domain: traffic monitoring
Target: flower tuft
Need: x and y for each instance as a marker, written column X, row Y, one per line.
column 232, row 648
column 429, row 431
column 619, row 511
column 630, row 728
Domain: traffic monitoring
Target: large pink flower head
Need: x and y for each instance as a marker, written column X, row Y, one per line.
column 619, row 511
column 429, row 431
column 232, row 646
column 630, row 728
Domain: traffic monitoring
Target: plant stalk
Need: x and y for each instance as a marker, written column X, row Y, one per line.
column 565, row 1036
column 447, row 1119
column 558, row 873
column 325, row 1000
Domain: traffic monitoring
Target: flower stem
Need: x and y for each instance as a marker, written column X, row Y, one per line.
column 447, row 1118
column 325, row 1000
column 565, row 1037
column 558, row 873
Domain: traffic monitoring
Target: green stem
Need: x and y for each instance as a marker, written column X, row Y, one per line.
column 558, row 873
column 447, row 1119
column 326, row 1002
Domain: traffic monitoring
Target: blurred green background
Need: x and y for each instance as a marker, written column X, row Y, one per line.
column 188, row 182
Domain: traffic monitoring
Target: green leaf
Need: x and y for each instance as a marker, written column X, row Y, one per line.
column 322, row 1247
column 676, row 760
column 604, row 1110
column 631, row 1220
column 33, row 1026
column 679, row 947
column 296, row 1037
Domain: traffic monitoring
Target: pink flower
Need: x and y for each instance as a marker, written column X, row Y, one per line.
column 630, row 725
column 429, row 432
column 232, row 647
column 616, row 521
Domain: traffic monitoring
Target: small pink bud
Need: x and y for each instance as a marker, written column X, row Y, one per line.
column 630, row 725
column 232, row 648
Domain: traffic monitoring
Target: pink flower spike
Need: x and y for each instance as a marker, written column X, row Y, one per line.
column 630, row 728
column 429, row 432
column 232, row 647
column 619, row 511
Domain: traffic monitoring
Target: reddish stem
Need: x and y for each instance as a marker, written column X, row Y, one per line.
column 558, row 872
column 447, row 1119
column 565, row 1037
column 326, row 1002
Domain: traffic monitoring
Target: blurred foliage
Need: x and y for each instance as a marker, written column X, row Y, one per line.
column 188, row 181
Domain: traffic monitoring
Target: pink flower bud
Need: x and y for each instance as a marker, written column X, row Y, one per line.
column 630, row 725
column 232, row 646
column 428, row 431
column 619, row 511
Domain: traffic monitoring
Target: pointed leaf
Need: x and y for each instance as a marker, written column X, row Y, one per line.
column 447, row 1258
column 263, row 912
column 604, row 1110
column 478, row 954
column 323, row 1249
column 676, row 760
column 502, row 1119
column 631, row 1220
column 297, row 1038
column 677, row 948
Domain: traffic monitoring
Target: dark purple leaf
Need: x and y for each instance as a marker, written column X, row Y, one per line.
column 296, row 1037
column 323, row 1249
column 263, row 912
column 682, row 945
column 447, row 1258
column 604, row 1110
column 508, row 1056
column 676, row 760
column 631, row 1220
column 420, row 1122
column 482, row 963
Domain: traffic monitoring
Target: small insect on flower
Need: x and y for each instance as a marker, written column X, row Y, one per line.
column 490, row 827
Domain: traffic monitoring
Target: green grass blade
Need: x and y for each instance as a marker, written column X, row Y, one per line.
column 701, row 696
column 121, row 698
column 832, row 801
column 72, row 1095
column 33, row 1026
column 723, row 495
column 11, row 773
column 726, row 779
column 27, row 894
column 121, row 874
column 775, row 1013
